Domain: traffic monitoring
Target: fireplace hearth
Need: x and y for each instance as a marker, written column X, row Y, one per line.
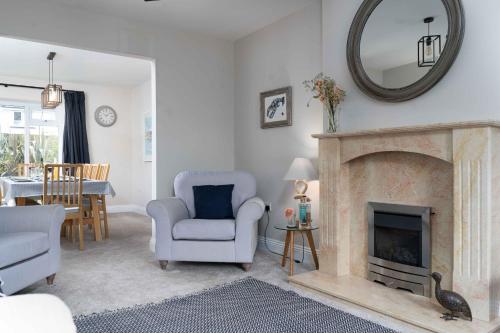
column 399, row 246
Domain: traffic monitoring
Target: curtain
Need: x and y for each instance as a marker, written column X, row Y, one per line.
column 75, row 144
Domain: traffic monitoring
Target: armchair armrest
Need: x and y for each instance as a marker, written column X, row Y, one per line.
column 246, row 229
column 46, row 219
column 166, row 213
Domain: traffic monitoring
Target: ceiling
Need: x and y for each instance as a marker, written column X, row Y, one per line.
column 26, row 59
column 391, row 34
column 226, row 19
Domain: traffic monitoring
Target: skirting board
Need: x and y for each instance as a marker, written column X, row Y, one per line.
column 127, row 209
column 278, row 247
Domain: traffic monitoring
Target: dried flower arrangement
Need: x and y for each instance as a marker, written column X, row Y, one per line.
column 330, row 94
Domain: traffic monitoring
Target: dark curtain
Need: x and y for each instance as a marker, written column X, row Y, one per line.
column 75, row 144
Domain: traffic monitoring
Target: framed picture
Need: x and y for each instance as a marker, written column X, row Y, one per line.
column 148, row 138
column 276, row 108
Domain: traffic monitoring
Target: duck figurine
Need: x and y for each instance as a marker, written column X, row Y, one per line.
column 451, row 301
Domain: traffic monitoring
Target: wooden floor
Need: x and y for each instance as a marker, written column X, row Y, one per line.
column 416, row 310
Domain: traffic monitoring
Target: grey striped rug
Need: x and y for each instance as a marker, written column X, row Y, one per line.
column 247, row 305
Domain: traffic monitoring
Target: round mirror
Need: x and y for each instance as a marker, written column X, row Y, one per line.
column 399, row 49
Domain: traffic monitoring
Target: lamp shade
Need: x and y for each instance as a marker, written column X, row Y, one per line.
column 301, row 169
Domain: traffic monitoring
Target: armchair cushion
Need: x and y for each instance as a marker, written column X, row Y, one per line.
column 213, row 202
column 19, row 246
column 207, row 230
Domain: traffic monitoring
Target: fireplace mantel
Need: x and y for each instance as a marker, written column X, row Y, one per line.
column 411, row 129
column 460, row 165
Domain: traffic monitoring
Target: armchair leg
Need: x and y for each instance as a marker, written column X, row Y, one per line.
column 50, row 279
column 246, row 267
column 163, row 264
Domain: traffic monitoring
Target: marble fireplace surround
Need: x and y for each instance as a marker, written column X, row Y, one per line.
column 454, row 168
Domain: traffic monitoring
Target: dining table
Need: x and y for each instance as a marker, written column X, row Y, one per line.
column 16, row 190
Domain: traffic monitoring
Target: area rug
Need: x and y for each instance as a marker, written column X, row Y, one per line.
column 247, row 305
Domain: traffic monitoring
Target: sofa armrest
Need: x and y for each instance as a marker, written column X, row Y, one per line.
column 246, row 229
column 32, row 219
column 166, row 213
column 47, row 219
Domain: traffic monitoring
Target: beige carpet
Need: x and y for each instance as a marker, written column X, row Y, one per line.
column 122, row 272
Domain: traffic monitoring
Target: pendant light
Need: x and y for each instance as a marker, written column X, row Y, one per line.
column 429, row 46
column 52, row 94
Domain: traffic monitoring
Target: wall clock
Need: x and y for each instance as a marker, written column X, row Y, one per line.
column 105, row 116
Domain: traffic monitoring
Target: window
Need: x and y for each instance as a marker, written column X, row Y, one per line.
column 28, row 134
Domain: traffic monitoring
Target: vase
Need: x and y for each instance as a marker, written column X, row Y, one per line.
column 332, row 114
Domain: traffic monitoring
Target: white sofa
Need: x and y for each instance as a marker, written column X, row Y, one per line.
column 35, row 314
column 180, row 237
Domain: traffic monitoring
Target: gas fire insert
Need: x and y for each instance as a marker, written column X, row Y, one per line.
column 399, row 246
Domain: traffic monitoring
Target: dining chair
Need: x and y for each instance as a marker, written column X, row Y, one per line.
column 101, row 174
column 23, row 169
column 90, row 171
column 103, row 171
column 86, row 169
column 63, row 184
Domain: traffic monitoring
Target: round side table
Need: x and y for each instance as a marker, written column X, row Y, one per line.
column 290, row 241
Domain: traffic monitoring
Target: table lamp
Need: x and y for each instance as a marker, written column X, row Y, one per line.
column 301, row 171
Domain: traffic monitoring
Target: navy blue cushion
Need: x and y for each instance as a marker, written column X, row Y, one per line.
column 213, row 202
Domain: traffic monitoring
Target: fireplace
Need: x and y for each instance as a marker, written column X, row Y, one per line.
column 399, row 247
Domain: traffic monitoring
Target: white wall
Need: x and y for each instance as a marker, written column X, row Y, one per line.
column 467, row 92
column 282, row 54
column 115, row 144
column 194, row 78
column 141, row 186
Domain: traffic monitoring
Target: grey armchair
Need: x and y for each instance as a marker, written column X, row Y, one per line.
column 29, row 245
column 180, row 237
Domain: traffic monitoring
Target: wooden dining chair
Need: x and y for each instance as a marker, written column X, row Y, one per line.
column 90, row 171
column 23, row 169
column 103, row 171
column 63, row 184
column 86, row 170
column 102, row 174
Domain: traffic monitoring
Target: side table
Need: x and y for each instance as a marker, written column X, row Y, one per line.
column 290, row 242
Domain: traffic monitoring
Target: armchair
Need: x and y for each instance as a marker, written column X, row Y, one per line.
column 180, row 237
column 29, row 245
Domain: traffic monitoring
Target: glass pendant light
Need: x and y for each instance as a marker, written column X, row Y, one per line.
column 429, row 46
column 52, row 94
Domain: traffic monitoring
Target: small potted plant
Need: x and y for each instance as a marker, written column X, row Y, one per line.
column 329, row 94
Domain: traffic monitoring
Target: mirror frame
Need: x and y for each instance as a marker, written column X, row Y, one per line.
column 456, row 30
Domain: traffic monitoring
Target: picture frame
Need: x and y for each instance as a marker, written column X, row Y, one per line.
column 276, row 108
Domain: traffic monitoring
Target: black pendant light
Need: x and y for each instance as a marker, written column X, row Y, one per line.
column 429, row 46
column 52, row 94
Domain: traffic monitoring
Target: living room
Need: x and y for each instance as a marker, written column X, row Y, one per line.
column 366, row 151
